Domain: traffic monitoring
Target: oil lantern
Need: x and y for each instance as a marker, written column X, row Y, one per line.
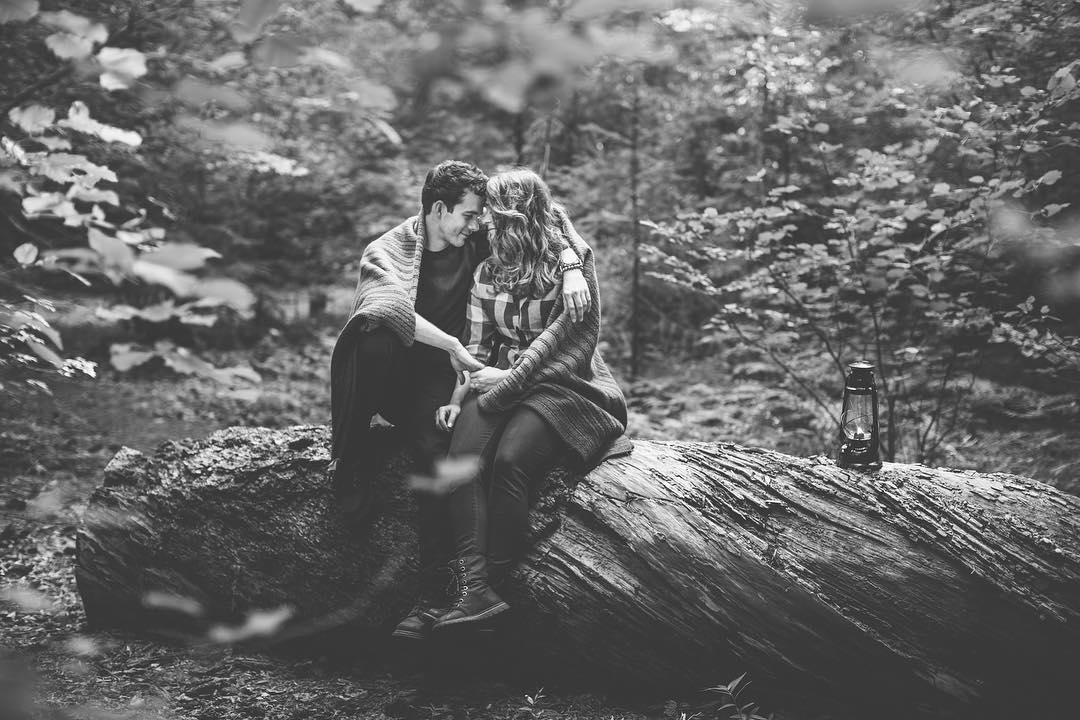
column 859, row 420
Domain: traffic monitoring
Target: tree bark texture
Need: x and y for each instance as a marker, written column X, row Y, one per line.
column 908, row 592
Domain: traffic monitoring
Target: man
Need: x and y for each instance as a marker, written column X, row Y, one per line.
column 399, row 351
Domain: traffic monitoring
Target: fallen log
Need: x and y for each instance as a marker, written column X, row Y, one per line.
column 912, row 591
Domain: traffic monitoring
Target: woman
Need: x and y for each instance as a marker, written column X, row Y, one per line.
column 545, row 398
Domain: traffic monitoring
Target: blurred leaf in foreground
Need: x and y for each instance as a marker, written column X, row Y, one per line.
column 259, row 623
column 17, row 10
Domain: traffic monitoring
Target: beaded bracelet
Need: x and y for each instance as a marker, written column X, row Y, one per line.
column 566, row 267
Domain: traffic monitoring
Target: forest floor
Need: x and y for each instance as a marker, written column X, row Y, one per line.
column 53, row 450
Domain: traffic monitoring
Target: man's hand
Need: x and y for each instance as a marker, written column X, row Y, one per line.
column 462, row 360
column 446, row 416
column 487, row 378
column 575, row 294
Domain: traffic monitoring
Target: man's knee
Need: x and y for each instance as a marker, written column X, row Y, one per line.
column 379, row 341
column 378, row 345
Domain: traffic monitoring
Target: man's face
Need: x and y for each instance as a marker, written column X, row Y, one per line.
column 463, row 221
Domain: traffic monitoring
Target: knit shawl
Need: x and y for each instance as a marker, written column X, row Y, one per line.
column 562, row 376
column 389, row 274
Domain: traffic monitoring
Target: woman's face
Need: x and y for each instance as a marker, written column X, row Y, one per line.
column 487, row 221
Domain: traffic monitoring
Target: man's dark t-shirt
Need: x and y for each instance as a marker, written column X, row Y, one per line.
column 442, row 291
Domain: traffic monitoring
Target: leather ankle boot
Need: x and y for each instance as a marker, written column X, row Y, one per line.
column 434, row 601
column 475, row 598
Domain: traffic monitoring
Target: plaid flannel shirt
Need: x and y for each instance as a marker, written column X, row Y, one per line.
column 498, row 325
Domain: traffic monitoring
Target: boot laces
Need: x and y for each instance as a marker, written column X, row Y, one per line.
column 462, row 581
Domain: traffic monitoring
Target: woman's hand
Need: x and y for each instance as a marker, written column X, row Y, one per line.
column 489, row 377
column 461, row 360
column 575, row 294
column 446, row 416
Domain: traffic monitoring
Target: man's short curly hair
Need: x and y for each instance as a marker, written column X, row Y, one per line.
column 449, row 181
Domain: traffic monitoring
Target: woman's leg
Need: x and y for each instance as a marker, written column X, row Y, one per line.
column 527, row 451
column 475, row 433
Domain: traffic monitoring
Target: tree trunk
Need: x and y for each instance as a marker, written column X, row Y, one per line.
column 914, row 591
column 635, row 237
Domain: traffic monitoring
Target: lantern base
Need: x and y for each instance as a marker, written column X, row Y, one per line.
column 861, row 467
column 858, row 458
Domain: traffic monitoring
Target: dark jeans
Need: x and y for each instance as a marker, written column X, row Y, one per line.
column 374, row 372
column 490, row 515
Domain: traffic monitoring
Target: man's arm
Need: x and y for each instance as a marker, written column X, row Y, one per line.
column 380, row 298
column 427, row 333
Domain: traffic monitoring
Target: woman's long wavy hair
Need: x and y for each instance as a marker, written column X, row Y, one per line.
column 526, row 241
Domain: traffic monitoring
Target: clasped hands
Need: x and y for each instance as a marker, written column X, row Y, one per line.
column 481, row 378
column 481, row 381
